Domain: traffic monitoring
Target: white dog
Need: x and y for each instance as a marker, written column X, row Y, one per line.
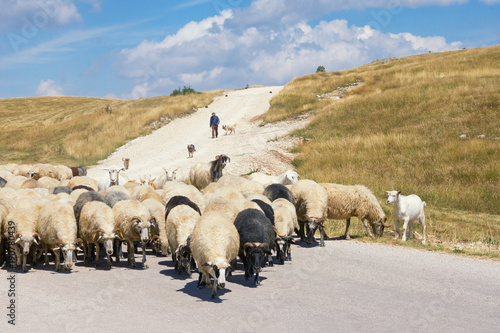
column 229, row 128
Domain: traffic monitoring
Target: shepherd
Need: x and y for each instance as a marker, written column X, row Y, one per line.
column 214, row 123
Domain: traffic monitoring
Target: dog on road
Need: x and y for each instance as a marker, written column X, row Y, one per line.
column 229, row 128
column 191, row 150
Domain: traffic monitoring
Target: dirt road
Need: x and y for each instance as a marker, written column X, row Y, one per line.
column 347, row 286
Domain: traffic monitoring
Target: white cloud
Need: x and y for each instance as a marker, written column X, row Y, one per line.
column 29, row 15
column 49, row 88
column 229, row 50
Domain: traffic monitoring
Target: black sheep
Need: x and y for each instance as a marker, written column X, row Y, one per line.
column 275, row 191
column 62, row 189
column 256, row 241
column 266, row 208
column 114, row 196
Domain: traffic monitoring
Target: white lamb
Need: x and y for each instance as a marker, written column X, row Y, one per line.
column 345, row 201
column 289, row 177
column 215, row 243
column 408, row 209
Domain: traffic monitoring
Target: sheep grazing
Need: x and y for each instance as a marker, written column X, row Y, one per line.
column 191, row 149
column 346, row 201
column 181, row 215
column 229, row 128
column 256, row 241
column 409, row 209
column 24, row 217
column 132, row 223
column 276, row 191
column 215, row 243
column 57, row 228
column 97, row 226
column 16, row 182
column 63, row 172
column 113, row 178
column 202, row 174
column 311, row 201
column 285, row 222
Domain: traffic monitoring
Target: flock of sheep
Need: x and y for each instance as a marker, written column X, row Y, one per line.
column 205, row 225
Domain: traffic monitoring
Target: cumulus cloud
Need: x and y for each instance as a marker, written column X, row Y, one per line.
column 36, row 14
column 49, row 88
column 239, row 47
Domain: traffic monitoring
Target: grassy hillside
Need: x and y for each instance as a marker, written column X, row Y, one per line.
column 82, row 130
column 397, row 125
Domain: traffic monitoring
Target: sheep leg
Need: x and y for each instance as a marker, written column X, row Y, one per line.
column 57, row 260
column 97, row 250
column 34, row 256
column 301, row 233
column 144, row 262
column 46, row 262
column 410, row 229
column 24, row 262
column 256, row 281
column 422, row 221
column 117, row 250
column 214, row 289
column 347, row 224
column 131, row 258
column 405, row 226
column 18, row 253
column 397, row 229
column 365, row 224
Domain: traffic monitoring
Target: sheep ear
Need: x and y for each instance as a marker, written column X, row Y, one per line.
column 399, row 192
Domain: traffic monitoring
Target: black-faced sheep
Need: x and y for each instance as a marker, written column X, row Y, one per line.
column 215, row 242
column 202, row 174
column 257, row 237
column 345, row 201
column 311, row 202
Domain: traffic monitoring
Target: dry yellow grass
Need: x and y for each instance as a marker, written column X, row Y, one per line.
column 82, row 130
column 400, row 128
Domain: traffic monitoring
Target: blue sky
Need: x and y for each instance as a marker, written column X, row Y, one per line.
column 134, row 49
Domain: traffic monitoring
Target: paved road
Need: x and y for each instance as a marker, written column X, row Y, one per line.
column 346, row 286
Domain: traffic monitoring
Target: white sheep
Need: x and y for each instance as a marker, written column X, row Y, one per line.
column 408, row 209
column 16, row 182
column 311, row 202
column 158, row 231
column 289, row 177
column 202, row 174
column 22, row 170
column 285, row 222
column 144, row 192
column 63, row 172
column 97, row 225
column 7, row 175
column 57, row 228
column 24, row 216
column 189, row 191
column 6, row 230
column 179, row 225
column 132, row 219
column 245, row 186
column 215, row 243
column 345, row 201
column 83, row 180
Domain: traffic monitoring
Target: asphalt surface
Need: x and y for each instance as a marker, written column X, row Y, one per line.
column 347, row 286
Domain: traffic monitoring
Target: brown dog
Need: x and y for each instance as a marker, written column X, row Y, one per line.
column 191, row 150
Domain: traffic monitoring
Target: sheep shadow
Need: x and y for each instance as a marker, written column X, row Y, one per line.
column 204, row 294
